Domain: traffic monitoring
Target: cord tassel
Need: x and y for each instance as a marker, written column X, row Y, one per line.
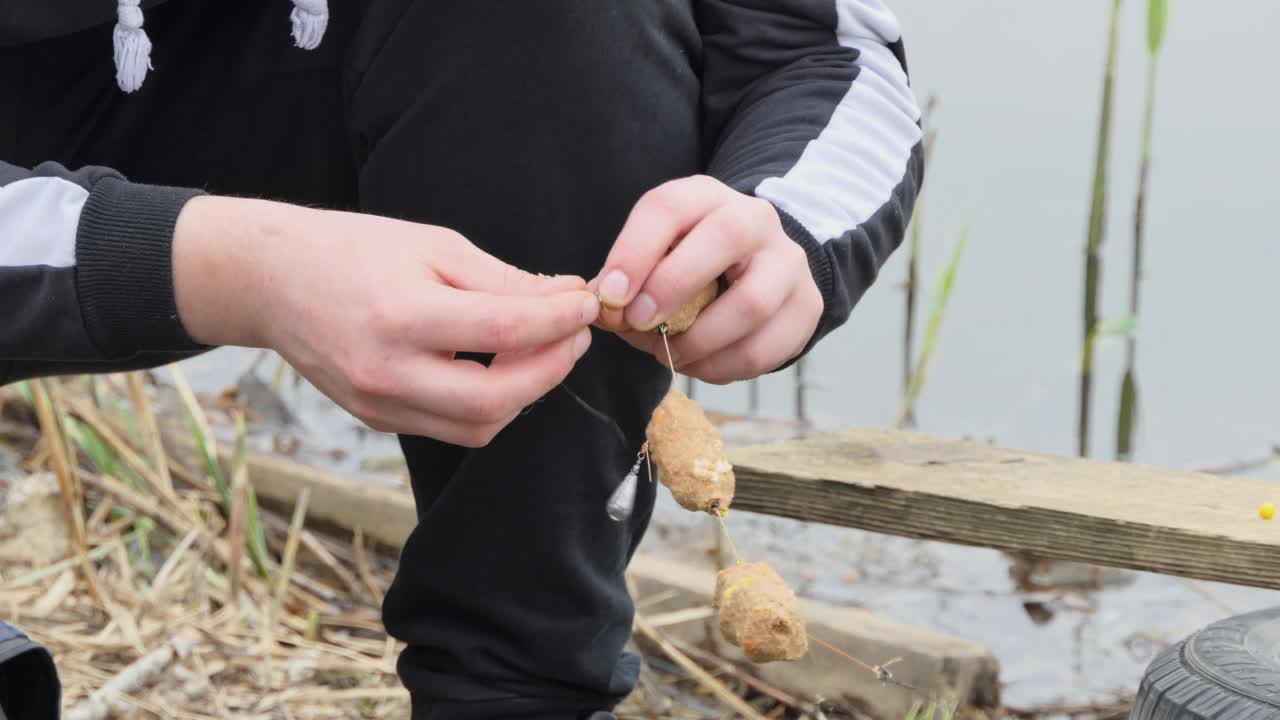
column 132, row 46
column 310, row 19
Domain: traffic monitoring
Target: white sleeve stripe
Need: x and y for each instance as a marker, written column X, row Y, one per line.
column 38, row 221
column 866, row 19
column 851, row 169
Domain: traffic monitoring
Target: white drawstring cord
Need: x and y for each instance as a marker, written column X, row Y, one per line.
column 310, row 18
column 132, row 46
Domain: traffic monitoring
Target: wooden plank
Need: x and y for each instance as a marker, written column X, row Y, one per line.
column 386, row 514
column 1120, row 515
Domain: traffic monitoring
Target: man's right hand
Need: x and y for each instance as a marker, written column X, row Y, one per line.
column 372, row 311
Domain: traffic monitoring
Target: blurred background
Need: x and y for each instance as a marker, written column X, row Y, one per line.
column 1018, row 87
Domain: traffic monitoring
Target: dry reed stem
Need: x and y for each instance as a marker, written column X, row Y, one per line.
column 331, row 696
column 746, row 678
column 114, row 528
column 151, row 431
column 684, row 615
column 219, row 547
column 291, row 548
column 54, row 387
column 318, row 549
column 717, row 688
column 88, row 414
column 100, row 704
column 193, row 406
column 121, row 552
column 235, row 531
column 171, row 563
column 98, row 517
column 362, row 566
column 62, row 470
column 219, row 704
column 55, row 595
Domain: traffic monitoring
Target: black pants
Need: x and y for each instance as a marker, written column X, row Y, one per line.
column 517, row 124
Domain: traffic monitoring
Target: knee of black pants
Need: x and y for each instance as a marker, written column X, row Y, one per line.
column 512, row 586
column 533, row 137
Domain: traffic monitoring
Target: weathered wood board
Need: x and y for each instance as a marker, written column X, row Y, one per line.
column 383, row 513
column 1120, row 515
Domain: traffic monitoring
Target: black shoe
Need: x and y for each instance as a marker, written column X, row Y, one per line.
column 29, row 687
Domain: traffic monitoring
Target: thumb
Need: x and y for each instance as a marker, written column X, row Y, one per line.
column 467, row 267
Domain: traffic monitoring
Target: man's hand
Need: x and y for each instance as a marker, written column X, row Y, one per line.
column 372, row 311
column 682, row 236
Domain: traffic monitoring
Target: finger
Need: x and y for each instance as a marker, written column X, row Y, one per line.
column 613, row 319
column 659, row 219
column 746, row 306
column 524, row 377
column 473, row 396
column 407, row 421
column 610, row 319
column 467, row 267
column 548, row 284
column 462, row 321
column 415, row 396
column 761, row 352
column 434, row 385
column 721, row 240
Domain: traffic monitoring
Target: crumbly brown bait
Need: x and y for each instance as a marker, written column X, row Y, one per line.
column 683, row 318
column 760, row 614
column 689, row 452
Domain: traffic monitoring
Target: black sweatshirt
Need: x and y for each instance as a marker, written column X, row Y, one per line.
column 805, row 103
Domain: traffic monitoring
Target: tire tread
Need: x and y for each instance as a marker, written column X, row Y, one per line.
column 1212, row 675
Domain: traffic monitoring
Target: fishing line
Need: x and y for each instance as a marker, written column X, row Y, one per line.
column 881, row 671
column 662, row 329
column 597, row 414
column 623, row 500
column 624, row 497
column 733, row 549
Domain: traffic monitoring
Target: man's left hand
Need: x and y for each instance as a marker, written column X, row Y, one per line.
column 680, row 237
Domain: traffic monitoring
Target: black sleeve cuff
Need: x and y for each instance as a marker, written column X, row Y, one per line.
column 124, row 260
column 823, row 275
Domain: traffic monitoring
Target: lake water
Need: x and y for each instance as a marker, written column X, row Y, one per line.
column 1018, row 86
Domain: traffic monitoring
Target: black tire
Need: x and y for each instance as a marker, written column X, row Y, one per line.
column 1230, row 669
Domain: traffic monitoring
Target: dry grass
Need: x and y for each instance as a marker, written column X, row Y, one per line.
column 181, row 598
column 162, row 611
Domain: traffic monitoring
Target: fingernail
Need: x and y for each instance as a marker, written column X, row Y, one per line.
column 641, row 312
column 613, row 289
column 581, row 343
column 590, row 309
